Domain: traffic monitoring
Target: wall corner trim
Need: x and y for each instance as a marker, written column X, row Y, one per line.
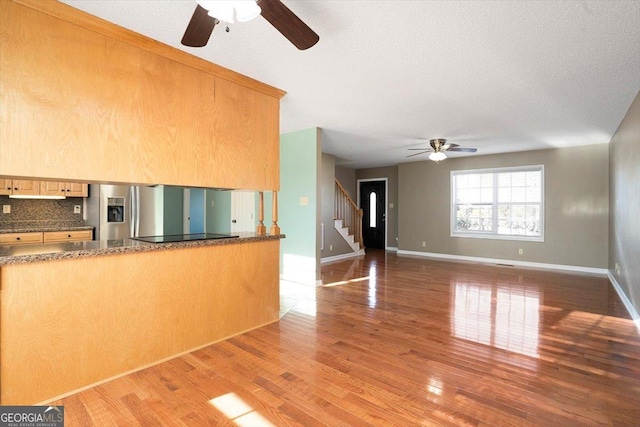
column 545, row 266
column 625, row 300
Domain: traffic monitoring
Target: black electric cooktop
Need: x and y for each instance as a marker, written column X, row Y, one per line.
column 172, row 238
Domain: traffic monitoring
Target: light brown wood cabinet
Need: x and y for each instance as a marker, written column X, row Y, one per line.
column 45, row 237
column 67, row 236
column 182, row 120
column 20, row 238
column 21, row 187
column 61, row 188
column 25, row 187
column 5, row 187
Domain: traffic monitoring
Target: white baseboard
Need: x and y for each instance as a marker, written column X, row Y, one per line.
column 625, row 300
column 392, row 249
column 575, row 268
column 341, row 257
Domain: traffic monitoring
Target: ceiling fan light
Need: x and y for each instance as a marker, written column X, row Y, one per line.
column 222, row 10
column 246, row 10
column 436, row 156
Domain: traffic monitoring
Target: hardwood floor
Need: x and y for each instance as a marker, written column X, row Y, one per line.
column 403, row 341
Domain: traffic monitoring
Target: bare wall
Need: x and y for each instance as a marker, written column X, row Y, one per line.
column 624, row 204
column 347, row 178
column 391, row 173
column 576, row 207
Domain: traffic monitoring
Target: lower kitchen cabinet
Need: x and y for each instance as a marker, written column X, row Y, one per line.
column 20, row 238
column 67, row 236
column 45, row 237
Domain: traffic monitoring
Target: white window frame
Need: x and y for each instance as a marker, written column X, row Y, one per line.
column 492, row 235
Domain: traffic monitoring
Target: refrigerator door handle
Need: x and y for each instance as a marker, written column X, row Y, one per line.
column 134, row 219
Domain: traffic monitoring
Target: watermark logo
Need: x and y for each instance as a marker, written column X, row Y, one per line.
column 31, row 416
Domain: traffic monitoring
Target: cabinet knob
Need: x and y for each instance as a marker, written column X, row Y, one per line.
column 16, row 188
column 68, row 189
column 68, row 235
column 17, row 238
column 62, row 189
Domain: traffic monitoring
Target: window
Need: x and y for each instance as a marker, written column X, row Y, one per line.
column 505, row 203
column 372, row 210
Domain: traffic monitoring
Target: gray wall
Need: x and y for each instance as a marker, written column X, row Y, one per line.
column 347, row 178
column 576, row 207
column 391, row 173
column 334, row 244
column 624, row 205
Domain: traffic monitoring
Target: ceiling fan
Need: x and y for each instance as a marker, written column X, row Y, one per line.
column 438, row 148
column 209, row 13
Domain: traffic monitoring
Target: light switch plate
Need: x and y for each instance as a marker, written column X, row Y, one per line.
column 390, row 205
column 304, row 201
column 77, row 209
column 6, row 208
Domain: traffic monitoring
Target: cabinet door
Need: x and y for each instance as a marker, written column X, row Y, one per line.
column 5, row 187
column 52, row 188
column 20, row 238
column 76, row 189
column 25, row 187
column 67, row 236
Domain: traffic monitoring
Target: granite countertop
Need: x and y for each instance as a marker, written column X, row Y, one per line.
column 17, row 254
column 39, row 226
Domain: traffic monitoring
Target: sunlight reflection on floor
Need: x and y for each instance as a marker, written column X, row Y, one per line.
column 297, row 297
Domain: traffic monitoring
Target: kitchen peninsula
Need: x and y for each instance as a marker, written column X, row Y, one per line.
column 76, row 314
column 75, row 93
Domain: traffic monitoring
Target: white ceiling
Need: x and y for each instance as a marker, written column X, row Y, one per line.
column 386, row 76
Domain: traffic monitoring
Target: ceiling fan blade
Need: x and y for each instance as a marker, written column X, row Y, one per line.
column 466, row 150
column 416, row 154
column 418, row 149
column 289, row 25
column 199, row 29
column 449, row 145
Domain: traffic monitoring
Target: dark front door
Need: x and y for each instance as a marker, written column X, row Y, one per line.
column 372, row 202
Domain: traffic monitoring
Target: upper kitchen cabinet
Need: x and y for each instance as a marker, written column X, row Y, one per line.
column 5, row 187
column 19, row 187
column 84, row 100
column 67, row 189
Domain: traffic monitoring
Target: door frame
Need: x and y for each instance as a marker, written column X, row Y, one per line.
column 386, row 202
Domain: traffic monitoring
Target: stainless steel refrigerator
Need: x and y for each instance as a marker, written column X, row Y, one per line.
column 123, row 211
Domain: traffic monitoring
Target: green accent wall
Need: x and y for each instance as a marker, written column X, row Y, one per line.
column 300, row 158
column 172, row 207
column 218, row 208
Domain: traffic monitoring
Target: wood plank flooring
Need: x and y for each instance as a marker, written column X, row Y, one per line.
column 407, row 342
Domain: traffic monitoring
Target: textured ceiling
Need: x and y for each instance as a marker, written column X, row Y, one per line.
column 390, row 75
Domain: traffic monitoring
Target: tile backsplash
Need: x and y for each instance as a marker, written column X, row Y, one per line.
column 34, row 212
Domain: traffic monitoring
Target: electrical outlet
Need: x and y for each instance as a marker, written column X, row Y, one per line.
column 330, row 248
column 424, row 244
column 6, row 208
column 617, row 268
column 521, row 251
column 390, row 205
column 77, row 209
column 212, row 203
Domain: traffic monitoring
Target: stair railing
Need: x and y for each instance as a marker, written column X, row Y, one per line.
column 346, row 210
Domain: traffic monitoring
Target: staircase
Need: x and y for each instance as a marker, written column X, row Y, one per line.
column 348, row 219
